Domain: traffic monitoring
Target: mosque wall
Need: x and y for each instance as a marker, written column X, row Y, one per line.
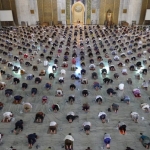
column 145, row 5
column 104, row 6
column 68, row 12
column 27, row 11
column 95, row 11
column 9, row 5
column 47, row 10
column 133, row 11
column 52, row 11
column 61, row 10
column 130, row 10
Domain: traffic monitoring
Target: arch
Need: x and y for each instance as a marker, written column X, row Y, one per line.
column 78, row 10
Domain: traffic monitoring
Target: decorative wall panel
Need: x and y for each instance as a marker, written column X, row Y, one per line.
column 68, row 11
column 47, row 11
column 54, row 6
column 88, row 20
column 40, row 10
column 125, row 11
column 116, row 11
column 143, row 11
column 105, row 5
column 102, row 11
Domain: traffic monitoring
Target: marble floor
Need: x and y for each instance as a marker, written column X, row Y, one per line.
column 82, row 141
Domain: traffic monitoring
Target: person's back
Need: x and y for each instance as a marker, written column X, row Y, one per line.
column 32, row 136
column 107, row 140
column 145, row 141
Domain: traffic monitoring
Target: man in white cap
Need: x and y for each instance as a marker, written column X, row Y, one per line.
column 102, row 116
column 69, row 142
column 53, row 127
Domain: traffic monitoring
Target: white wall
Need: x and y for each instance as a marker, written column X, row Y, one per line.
column 95, row 16
column 133, row 10
column 61, row 4
column 23, row 11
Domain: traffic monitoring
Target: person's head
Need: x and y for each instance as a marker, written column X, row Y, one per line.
column 146, row 110
column 71, row 101
column 55, row 110
column 103, row 120
column 116, row 110
column 108, row 146
column 128, row 102
column 111, row 94
column 88, row 148
column 70, row 120
column 34, row 133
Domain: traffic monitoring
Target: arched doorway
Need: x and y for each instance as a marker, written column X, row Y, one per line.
column 78, row 13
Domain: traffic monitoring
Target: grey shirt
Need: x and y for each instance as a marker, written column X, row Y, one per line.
column 107, row 136
column 121, row 124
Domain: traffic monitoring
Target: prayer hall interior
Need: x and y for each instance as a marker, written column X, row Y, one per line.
column 74, row 74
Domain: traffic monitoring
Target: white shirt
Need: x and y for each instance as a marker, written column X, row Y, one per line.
column 7, row 114
column 50, row 39
column 121, row 86
column 116, row 57
column 84, row 79
column 124, row 70
column 63, row 71
column 140, row 42
column 101, row 113
column 121, row 124
column 52, row 123
column 3, row 83
column 69, row 137
column 145, row 84
column 45, row 62
column 87, row 123
column 145, row 105
column 122, row 53
column 134, row 114
column 29, row 75
column 71, row 113
column 55, row 65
